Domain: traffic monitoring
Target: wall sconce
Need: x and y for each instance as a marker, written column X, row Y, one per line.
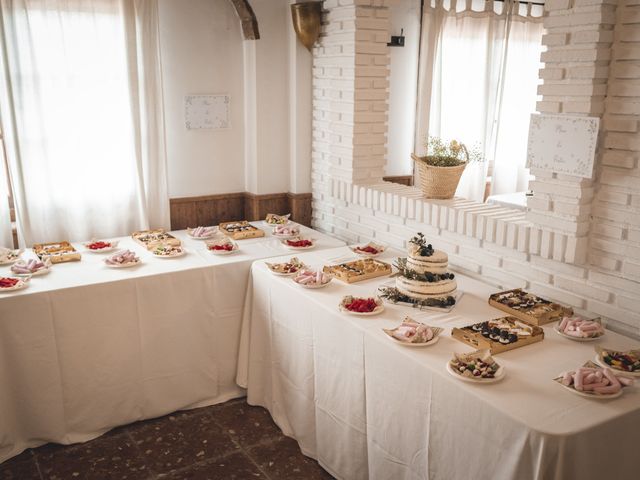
column 397, row 40
column 307, row 20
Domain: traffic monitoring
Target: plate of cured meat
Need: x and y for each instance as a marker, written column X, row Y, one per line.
column 122, row 259
column 308, row 278
column 11, row 284
column 202, row 233
column 593, row 381
column 31, row 267
column 580, row 329
column 413, row 334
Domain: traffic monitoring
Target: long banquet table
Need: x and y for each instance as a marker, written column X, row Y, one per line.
column 366, row 407
column 86, row 348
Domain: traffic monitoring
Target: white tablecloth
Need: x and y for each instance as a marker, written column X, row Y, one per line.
column 86, row 348
column 366, row 407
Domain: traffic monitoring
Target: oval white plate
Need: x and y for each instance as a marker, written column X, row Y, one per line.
column 288, row 235
column 124, row 265
column 500, row 373
column 8, row 261
column 114, row 246
column 365, row 254
column 433, row 341
column 577, row 339
column 314, row 286
column 42, row 271
column 603, row 364
column 282, row 274
column 224, row 252
column 173, row 255
column 22, row 283
column 215, row 233
column 379, row 309
column 592, row 395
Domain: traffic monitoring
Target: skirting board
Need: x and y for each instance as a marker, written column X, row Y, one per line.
column 213, row 209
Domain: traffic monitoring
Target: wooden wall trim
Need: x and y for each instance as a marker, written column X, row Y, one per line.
column 213, row 209
column 401, row 179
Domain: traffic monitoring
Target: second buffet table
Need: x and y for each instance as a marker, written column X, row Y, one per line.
column 366, row 407
column 86, row 348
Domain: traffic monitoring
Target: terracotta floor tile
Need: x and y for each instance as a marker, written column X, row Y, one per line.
column 179, row 440
column 105, row 458
column 22, row 467
column 283, row 460
column 234, row 467
column 246, row 424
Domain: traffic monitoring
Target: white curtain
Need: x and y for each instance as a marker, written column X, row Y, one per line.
column 478, row 80
column 6, row 235
column 81, row 108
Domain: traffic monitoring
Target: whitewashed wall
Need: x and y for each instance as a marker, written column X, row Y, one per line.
column 596, row 270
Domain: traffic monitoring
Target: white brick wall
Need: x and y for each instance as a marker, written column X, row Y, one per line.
column 583, row 246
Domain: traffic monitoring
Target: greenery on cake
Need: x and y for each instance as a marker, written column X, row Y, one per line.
column 453, row 153
column 393, row 295
column 423, row 249
column 408, row 273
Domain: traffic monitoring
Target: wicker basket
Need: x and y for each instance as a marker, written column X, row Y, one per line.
column 437, row 182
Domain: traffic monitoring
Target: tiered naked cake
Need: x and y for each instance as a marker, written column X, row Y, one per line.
column 423, row 278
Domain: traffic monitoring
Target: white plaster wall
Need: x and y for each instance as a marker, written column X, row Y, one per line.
column 201, row 47
column 403, row 87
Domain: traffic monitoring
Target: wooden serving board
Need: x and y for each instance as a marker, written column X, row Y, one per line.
column 342, row 273
column 477, row 340
column 151, row 244
column 65, row 252
column 536, row 315
column 254, row 232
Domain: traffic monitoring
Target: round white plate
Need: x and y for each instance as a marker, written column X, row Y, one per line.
column 114, row 246
column 22, row 283
column 365, row 254
column 282, row 274
column 174, row 255
column 124, row 265
column 379, row 309
column 577, row 339
column 481, row 381
column 314, row 286
column 433, row 341
column 8, row 261
column 592, row 395
column 603, row 364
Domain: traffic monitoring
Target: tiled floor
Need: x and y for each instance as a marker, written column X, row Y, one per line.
column 228, row 441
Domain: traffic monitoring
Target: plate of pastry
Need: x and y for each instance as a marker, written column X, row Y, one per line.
column 202, row 233
column 362, row 306
column 299, row 243
column 101, row 246
column 476, row 367
column 273, row 219
column 411, row 333
column 9, row 256
column 286, row 269
column 122, row 259
column 580, row 329
column 627, row 362
column 223, row 246
column 369, row 250
column 308, row 278
column 31, row 267
column 168, row 251
column 593, row 381
column 11, row 284
column 286, row 231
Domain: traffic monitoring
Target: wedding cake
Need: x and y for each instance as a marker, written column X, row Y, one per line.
column 423, row 274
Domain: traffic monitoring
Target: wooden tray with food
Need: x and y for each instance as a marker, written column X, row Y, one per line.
column 358, row 270
column 57, row 252
column 240, row 230
column 529, row 307
column 152, row 238
column 499, row 335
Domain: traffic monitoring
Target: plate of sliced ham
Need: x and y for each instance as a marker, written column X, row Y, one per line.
column 202, row 233
column 31, row 267
column 580, row 329
column 592, row 381
column 307, row 278
column 11, row 284
column 122, row 259
column 413, row 334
